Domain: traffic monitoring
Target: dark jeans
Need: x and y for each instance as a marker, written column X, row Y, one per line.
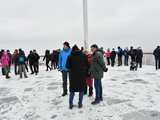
column 31, row 66
column 26, row 66
column 65, row 75
column 54, row 64
column 139, row 63
column 126, row 60
column 157, row 63
column 71, row 97
column 47, row 65
column 36, row 67
column 112, row 62
column 98, row 89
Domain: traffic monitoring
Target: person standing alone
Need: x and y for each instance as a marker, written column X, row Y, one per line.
column 156, row 54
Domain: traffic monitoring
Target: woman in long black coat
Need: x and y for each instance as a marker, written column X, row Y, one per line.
column 77, row 65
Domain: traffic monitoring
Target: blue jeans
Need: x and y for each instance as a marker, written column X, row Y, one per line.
column 98, row 89
column 71, row 97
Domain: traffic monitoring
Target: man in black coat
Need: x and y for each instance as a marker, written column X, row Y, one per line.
column 30, row 59
column 139, row 57
column 156, row 54
column 133, row 54
column 36, row 62
column 113, row 57
column 77, row 65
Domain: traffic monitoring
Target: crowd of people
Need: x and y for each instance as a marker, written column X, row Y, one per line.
column 136, row 56
column 21, row 61
column 81, row 67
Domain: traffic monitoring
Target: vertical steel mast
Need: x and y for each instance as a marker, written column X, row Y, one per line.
column 85, row 23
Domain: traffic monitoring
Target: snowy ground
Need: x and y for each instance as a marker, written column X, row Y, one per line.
column 127, row 96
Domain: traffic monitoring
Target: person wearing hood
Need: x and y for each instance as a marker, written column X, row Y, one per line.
column 5, row 63
column 113, row 57
column 97, row 70
column 63, row 56
column 77, row 66
column 21, row 63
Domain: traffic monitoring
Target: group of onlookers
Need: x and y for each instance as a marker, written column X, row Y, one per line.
column 81, row 67
column 136, row 56
column 20, row 62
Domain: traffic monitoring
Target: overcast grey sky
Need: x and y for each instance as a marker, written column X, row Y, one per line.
column 47, row 23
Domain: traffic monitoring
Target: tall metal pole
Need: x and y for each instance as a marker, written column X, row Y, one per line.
column 85, row 23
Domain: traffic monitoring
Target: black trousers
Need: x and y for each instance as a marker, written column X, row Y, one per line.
column 47, row 65
column 157, row 63
column 31, row 66
column 90, row 90
column 26, row 67
column 112, row 62
column 54, row 64
column 65, row 75
column 139, row 63
column 36, row 67
column 108, row 61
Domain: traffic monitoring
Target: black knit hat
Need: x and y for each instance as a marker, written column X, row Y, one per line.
column 94, row 46
column 67, row 44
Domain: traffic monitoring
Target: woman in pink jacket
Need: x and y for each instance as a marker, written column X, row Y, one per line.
column 5, row 63
column 108, row 56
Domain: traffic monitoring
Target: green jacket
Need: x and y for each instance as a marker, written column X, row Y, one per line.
column 97, row 65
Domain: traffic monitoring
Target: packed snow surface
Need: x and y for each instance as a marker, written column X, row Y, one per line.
column 127, row 96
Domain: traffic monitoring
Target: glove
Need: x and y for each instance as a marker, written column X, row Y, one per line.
column 106, row 70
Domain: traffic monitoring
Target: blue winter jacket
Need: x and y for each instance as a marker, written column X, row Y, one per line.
column 63, row 56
